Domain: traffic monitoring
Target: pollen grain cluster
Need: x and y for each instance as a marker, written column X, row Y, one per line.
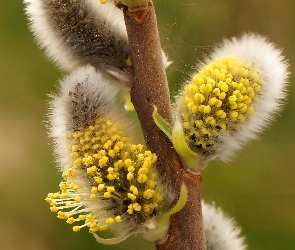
column 108, row 181
column 218, row 100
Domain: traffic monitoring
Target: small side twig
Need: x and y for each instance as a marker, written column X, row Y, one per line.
column 150, row 90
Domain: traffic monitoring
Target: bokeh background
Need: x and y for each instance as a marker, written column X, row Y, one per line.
column 257, row 187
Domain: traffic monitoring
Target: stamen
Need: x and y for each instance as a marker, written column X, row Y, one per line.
column 218, row 100
column 109, row 178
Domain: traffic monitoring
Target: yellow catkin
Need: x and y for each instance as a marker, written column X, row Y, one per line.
column 218, row 100
column 112, row 169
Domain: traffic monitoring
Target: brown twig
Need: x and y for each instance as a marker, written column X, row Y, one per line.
column 150, row 90
column 186, row 226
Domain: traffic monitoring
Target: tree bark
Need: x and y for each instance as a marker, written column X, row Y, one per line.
column 150, row 90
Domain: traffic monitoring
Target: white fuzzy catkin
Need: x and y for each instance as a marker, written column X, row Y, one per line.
column 273, row 67
column 221, row 232
column 109, row 179
column 135, row 4
column 77, row 33
column 262, row 60
column 83, row 94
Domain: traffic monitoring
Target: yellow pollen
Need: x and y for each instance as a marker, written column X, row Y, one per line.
column 128, row 60
column 53, row 204
column 141, row 178
column 118, row 218
column 218, row 99
column 148, row 194
column 206, row 109
column 210, row 121
column 110, row 171
column 131, row 196
column 110, row 221
column 205, row 88
column 54, row 209
column 233, row 115
column 136, row 207
column 151, row 184
column 78, row 162
column 158, row 198
column 110, row 189
column 107, row 195
column 70, row 220
column 134, row 190
column 76, row 228
column 103, row 161
column 130, row 209
column 220, row 114
column 88, row 160
column 78, row 199
column 143, row 171
column 147, row 163
column 223, row 86
column 199, row 98
column 131, row 169
column 98, row 179
column 82, row 217
column 91, row 170
column 101, row 187
column 56, row 196
column 222, row 95
column 61, row 215
column 94, row 190
column 128, row 162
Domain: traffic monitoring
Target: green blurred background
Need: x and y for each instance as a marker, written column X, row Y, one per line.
column 257, row 187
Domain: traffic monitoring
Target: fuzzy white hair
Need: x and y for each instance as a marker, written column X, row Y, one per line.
column 83, row 95
column 273, row 68
column 76, row 33
column 221, row 232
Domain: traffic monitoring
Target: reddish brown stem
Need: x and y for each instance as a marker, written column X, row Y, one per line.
column 150, row 90
column 186, row 226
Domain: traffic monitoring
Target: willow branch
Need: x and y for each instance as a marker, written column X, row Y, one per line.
column 150, row 90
